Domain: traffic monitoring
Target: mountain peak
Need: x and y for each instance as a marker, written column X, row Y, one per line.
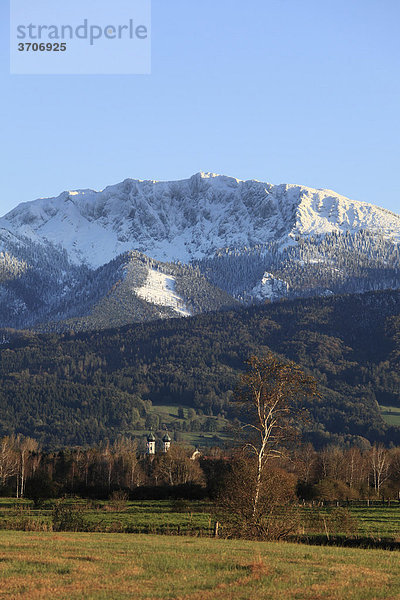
column 189, row 219
column 142, row 250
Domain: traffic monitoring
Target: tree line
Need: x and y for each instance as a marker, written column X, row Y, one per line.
column 332, row 473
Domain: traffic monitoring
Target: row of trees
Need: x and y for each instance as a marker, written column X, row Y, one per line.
column 101, row 469
column 337, row 473
column 330, row 474
column 19, row 459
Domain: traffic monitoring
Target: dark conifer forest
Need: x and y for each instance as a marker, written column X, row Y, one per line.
column 80, row 388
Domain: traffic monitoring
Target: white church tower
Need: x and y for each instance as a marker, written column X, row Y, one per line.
column 151, row 444
column 166, row 442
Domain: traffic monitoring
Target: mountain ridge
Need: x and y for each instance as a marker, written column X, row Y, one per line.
column 189, row 219
column 216, row 239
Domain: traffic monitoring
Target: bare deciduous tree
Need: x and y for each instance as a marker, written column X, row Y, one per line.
column 305, row 462
column 25, row 447
column 8, row 459
column 272, row 394
column 176, row 468
column 380, row 466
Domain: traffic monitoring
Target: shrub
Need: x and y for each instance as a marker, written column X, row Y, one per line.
column 180, row 505
column 333, row 489
column 39, row 488
column 342, row 521
column 277, row 515
column 67, row 517
column 118, row 501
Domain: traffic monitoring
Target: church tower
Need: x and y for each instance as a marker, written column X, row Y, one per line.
column 151, row 444
column 166, row 442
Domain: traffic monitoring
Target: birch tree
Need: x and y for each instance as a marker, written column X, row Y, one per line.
column 25, row 448
column 8, row 459
column 272, row 395
column 379, row 466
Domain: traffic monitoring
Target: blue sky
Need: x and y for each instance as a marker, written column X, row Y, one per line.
column 285, row 91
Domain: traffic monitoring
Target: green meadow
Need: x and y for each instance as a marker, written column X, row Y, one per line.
column 194, row 518
column 68, row 566
column 391, row 414
column 158, row 516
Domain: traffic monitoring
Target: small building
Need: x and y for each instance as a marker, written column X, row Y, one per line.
column 151, row 444
column 166, row 442
column 196, row 454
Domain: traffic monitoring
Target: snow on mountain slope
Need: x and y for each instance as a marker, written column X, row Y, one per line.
column 159, row 289
column 323, row 211
column 270, row 288
column 189, row 219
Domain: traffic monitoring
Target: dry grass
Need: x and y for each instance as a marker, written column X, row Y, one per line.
column 69, row 566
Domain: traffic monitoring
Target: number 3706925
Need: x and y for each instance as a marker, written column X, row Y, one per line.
column 48, row 47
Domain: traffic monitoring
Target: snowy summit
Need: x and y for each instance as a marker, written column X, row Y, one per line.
column 144, row 250
column 189, row 219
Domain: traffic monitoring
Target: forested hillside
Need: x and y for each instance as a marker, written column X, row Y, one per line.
column 78, row 388
column 321, row 264
column 42, row 289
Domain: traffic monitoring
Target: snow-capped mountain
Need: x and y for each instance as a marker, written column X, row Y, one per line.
column 189, row 219
column 199, row 244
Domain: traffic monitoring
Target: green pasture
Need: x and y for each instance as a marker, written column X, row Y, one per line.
column 196, row 518
column 72, row 566
column 153, row 516
column 169, row 412
column 391, row 414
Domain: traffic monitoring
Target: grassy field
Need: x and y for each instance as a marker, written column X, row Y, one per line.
column 374, row 521
column 118, row 566
column 138, row 517
column 391, row 414
column 378, row 521
column 195, row 517
column 169, row 412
